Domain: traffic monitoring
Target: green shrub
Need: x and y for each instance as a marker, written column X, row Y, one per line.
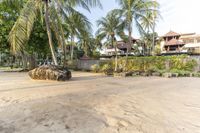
column 107, row 69
column 160, row 71
column 180, row 64
column 181, row 73
column 96, row 54
column 103, row 62
column 189, row 66
column 196, row 74
column 151, row 63
column 95, row 68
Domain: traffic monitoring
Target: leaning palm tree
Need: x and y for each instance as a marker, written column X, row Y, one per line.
column 110, row 27
column 134, row 11
column 22, row 29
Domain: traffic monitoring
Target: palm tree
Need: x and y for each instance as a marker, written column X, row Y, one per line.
column 134, row 11
column 147, row 40
column 77, row 24
column 148, row 25
column 88, row 43
column 22, row 29
column 110, row 27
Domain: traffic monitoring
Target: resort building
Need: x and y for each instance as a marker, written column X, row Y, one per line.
column 121, row 48
column 173, row 42
column 192, row 43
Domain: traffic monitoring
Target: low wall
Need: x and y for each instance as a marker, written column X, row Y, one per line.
column 86, row 64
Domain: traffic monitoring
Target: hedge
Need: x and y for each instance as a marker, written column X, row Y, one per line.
column 156, row 63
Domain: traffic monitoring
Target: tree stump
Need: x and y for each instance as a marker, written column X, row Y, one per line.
column 50, row 72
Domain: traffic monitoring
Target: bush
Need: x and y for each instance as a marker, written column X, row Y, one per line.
column 96, row 55
column 95, row 68
column 190, row 65
column 160, row 71
column 180, row 64
column 153, row 63
column 157, row 50
column 196, row 74
column 72, row 64
column 181, row 73
column 107, row 69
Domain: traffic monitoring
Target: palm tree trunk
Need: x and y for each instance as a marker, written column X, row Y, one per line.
column 129, row 42
column 129, row 32
column 153, row 45
column 49, row 33
column 63, row 47
column 114, row 44
column 85, row 48
column 0, row 58
column 154, row 24
column 24, row 61
column 72, row 47
column 144, row 49
column 116, row 60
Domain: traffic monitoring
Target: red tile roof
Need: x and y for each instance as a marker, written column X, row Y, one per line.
column 123, row 45
column 171, row 34
column 174, row 42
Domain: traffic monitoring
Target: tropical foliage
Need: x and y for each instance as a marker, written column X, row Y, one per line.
column 110, row 27
column 8, row 16
column 151, row 64
column 54, row 13
column 56, row 30
column 138, row 12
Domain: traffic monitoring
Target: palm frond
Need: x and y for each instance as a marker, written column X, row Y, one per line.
column 21, row 31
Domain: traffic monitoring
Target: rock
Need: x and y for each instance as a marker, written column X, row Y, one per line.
column 167, row 75
column 116, row 74
column 134, row 74
column 196, row 74
column 175, row 75
column 156, row 74
column 50, row 72
column 123, row 74
column 191, row 75
column 145, row 74
column 127, row 74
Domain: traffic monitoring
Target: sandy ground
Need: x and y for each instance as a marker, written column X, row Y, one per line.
column 92, row 103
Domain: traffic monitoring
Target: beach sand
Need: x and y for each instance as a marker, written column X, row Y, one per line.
column 93, row 103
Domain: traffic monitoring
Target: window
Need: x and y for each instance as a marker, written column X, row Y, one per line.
column 198, row 40
column 189, row 41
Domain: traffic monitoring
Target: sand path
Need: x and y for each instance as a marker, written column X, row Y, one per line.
column 92, row 103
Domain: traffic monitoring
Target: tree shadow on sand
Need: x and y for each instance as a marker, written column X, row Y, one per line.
column 48, row 83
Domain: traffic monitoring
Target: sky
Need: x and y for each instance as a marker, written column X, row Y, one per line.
column 182, row 16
